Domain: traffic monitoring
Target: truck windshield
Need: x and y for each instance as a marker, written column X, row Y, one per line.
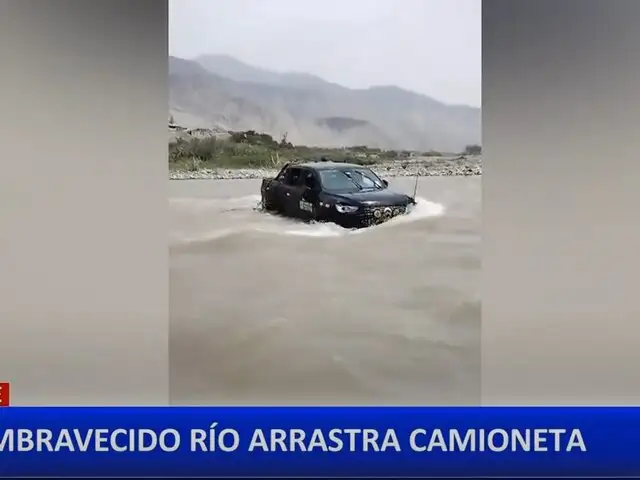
column 350, row 180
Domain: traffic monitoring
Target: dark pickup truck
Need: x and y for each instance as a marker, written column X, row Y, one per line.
column 348, row 195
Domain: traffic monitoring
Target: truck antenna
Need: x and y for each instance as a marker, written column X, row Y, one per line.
column 415, row 188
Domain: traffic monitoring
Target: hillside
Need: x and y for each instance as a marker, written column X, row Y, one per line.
column 220, row 91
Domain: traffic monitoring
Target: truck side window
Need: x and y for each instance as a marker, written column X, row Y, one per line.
column 283, row 173
column 293, row 175
column 309, row 180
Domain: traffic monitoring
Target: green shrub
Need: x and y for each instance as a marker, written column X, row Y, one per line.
column 250, row 149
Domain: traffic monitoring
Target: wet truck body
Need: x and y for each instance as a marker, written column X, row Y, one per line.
column 348, row 195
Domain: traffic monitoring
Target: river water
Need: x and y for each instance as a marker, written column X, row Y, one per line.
column 266, row 310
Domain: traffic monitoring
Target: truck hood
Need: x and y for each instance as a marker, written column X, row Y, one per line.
column 375, row 198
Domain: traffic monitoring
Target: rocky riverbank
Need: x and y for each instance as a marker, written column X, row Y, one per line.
column 422, row 167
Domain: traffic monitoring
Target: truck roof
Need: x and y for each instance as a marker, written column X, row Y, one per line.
column 329, row 165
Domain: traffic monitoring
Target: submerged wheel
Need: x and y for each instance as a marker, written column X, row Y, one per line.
column 266, row 205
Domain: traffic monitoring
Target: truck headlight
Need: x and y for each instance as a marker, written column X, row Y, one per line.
column 346, row 208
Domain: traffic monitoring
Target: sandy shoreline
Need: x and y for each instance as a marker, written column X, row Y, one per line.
column 421, row 167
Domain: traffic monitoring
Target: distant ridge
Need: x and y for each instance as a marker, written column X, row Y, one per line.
column 222, row 92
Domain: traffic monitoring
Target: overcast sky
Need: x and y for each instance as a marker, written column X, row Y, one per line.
column 428, row 46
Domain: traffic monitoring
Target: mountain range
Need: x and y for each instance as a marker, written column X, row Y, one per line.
column 219, row 91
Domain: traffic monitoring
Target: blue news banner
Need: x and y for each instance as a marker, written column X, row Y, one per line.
column 319, row 441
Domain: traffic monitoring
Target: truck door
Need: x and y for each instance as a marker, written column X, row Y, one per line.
column 307, row 195
column 290, row 192
column 277, row 190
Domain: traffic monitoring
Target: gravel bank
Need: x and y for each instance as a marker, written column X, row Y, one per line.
column 422, row 167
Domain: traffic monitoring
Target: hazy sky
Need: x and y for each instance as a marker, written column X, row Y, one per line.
column 428, row 46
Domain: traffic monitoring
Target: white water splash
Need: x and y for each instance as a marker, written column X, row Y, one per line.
column 275, row 225
column 422, row 210
column 246, row 202
column 204, row 237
